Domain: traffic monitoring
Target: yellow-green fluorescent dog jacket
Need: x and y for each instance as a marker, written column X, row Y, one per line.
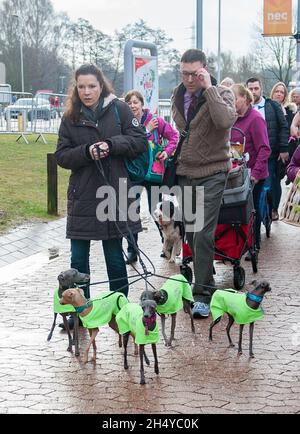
column 176, row 291
column 61, row 308
column 108, row 304
column 130, row 319
column 234, row 303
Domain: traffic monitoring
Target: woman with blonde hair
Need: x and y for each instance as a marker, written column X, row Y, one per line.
column 280, row 94
column 257, row 146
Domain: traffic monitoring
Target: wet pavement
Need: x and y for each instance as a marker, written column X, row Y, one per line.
column 196, row 376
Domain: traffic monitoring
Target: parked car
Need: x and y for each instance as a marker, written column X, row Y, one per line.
column 34, row 108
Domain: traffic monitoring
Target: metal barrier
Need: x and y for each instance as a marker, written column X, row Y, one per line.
column 23, row 113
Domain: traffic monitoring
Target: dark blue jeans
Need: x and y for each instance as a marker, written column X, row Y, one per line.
column 115, row 264
column 273, row 181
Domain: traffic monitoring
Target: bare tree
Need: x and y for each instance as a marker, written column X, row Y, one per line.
column 275, row 57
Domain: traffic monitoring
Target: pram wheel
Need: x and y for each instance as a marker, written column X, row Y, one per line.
column 238, row 277
column 187, row 272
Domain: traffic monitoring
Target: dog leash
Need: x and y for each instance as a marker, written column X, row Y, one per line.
column 107, row 281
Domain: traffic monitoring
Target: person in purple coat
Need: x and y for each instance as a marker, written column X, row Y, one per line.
column 294, row 166
column 257, row 146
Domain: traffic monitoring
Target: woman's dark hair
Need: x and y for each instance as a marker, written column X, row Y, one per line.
column 73, row 103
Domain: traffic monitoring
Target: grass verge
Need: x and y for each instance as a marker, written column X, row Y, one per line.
column 23, row 181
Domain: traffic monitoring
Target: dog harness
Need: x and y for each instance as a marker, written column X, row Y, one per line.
column 104, row 307
column 176, row 292
column 130, row 319
column 61, row 308
column 234, row 303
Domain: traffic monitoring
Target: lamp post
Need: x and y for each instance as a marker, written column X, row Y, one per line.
column 21, row 50
column 219, row 44
column 199, row 24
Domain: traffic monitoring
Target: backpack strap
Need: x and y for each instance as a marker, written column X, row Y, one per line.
column 117, row 115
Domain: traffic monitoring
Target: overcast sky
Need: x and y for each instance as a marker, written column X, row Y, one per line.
column 176, row 17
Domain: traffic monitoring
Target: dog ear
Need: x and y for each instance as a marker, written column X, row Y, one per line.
column 60, row 276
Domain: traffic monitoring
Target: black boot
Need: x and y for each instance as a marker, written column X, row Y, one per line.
column 131, row 258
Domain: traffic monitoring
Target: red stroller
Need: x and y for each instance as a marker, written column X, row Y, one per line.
column 234, row 235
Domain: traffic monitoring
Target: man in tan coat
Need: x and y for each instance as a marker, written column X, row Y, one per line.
column 204, row 161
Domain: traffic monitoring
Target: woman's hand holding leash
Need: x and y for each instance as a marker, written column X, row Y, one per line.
column 99, row 150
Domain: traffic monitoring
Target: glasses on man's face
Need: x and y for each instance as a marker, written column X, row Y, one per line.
column 186, row 75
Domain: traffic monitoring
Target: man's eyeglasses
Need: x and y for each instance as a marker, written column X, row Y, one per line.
column 186, row 74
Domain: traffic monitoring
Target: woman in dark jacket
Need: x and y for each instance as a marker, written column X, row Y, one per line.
column 97, row 133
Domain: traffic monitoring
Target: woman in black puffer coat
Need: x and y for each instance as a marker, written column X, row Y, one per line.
column 98, row 126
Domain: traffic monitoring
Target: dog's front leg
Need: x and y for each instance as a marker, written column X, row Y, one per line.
column 240, row 351
column 163, row 328
column 173, row 254
column 187, row 309
column 156, row 369
column 93, row 333
column 251, row 329
column 230, row 322
column 76, row 334
column 166, row 249
column 66, row 325
column 142, row 381
column 173, row 325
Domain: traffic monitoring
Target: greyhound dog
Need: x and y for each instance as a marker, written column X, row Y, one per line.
column 68, row 279
column 174, row 295
column 140, row 321
column 95, row 313
column 241, row 308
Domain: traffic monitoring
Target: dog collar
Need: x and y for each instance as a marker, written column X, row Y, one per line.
column 80, row 309
column 148, row 323
column 253, row 297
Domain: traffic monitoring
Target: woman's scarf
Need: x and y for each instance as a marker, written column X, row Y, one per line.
column 92, row 114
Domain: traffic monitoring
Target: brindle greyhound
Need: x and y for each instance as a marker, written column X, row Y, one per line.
column 68, row 279
column 252, row 302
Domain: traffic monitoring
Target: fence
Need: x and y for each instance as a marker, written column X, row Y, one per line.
column 23, row 113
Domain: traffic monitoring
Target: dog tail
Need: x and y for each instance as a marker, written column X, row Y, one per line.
column 52, row 328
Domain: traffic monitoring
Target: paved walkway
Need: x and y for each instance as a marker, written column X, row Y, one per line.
column 27, row 240
column 195, row 377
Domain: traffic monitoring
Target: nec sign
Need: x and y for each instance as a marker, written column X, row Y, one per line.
column 278, row 17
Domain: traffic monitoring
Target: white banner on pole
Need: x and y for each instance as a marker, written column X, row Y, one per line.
column 146, row 80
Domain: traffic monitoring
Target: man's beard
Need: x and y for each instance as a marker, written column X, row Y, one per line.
column 257, row 99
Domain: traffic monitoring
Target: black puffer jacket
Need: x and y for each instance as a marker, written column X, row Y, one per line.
column 125, row 140
column 278, row 131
